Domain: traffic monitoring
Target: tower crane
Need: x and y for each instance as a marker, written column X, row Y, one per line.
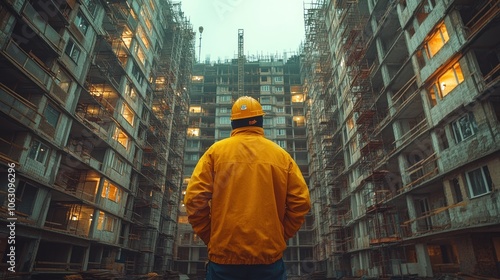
column 241, row 63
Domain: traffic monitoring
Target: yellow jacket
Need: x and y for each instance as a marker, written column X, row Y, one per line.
column 245, row 198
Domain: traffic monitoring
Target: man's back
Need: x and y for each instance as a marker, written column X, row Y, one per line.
column 245, row 198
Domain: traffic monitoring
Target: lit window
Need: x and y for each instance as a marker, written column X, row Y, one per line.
column 127, row 36
column 450, row 79
column 63, row 80
column 479, row 181
column 38, row 151
column 140, row 54
column 128, row 114
column 143, row 37
column 51, row 115
column 195, row 109
column 350, row 123
column 464, row 127
column 111, row 192
column 121, row 137
column 437, row 40
column 106, row 222
column 73, row 51
column 193, row 132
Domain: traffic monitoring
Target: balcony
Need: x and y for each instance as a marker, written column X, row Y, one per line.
column 28, row 63
column 43, row 28
column 17, row 107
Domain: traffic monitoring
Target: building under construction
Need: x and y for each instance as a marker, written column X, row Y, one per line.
column 275, row 82
column 93, row 110
column 403, row 122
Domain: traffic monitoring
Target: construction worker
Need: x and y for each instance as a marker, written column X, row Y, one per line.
column 245, row 199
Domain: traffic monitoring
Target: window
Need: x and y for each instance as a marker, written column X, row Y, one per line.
column 464, row 127
column 263, row 79
column 264, row 69
column 121, row 137
column 479, row 181
column 265, row 88
column 38, row 151
column 192, row 144
column 193, row 157
column 73, row 51
column 267, row 132
column 130, row 91
column 106, row 222
column 224, row 134
column 223, row 110
column 137, row 73
column 424, row 10
column 81, row 23
column 268, row 122
column 128, row 114
column 437, row 41
column 265, row 100
column 118, row 164
column 63, row 80
column 91, row 6
column 280, row 120
column 455, row 189
column 141, row 56
column 51, row 115
column 281, row 143
column 281, row 132
column 280, row 109
column 25, row 197
column 224, row 120
column 266, row 108
column 224, row 98
column 350, row 123
column 432, row 93
column 450, row 79
column 111, row 192
column 278, row 79
column 279, row 89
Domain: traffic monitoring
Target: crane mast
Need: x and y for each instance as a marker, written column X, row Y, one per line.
column 241, row 63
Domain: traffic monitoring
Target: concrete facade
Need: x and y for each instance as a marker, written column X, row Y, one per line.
column 93, row 109
column 406, row 121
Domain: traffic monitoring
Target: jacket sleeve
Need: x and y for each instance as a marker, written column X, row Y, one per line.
column 198, row 194
column 297, row 201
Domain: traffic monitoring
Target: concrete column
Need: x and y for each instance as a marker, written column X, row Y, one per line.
column 424, row 262
column 412, row 213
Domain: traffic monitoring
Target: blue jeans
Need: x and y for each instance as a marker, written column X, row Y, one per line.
column 274, row 271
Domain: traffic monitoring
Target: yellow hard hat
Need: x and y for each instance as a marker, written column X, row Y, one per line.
column 246, row 107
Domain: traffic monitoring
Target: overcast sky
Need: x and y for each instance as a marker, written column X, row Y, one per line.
column 271, row 27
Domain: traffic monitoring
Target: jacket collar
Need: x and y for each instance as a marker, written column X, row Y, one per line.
column 256, row 130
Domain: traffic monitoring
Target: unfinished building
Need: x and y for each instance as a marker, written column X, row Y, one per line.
column 275, row 82
column 403, row 123
column 93, row 119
